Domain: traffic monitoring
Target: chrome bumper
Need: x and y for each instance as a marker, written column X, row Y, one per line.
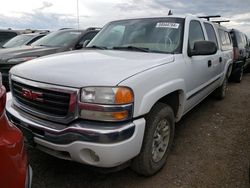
column 79, row 130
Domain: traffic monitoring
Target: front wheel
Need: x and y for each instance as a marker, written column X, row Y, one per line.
column 158, row 138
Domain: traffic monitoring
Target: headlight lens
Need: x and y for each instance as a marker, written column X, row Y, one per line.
column 21, row 59
column 107, row 95
column 106, row 103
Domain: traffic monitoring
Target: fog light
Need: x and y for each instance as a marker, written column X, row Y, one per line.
column 94, row 156
column 89, row 156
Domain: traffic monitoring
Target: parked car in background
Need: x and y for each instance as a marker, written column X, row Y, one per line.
column 241, row 54
column 248, row 54
column 58, row 41
column 6, row 35
column 14, row 169
column 24, row 39
column 117, row 102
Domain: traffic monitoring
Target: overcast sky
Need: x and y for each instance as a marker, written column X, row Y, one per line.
column 55, row 14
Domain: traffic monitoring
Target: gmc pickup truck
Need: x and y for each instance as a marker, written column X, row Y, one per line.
column 117, row 101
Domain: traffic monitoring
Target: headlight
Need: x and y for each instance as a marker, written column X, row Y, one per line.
column 106, row 95
column 20, row 60
column 106, row 103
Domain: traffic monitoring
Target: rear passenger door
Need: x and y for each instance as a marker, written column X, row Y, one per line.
column 217, row 59
column 226, row 47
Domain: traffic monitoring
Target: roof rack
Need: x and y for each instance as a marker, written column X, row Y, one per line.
column 220, row 21
column 208, row 17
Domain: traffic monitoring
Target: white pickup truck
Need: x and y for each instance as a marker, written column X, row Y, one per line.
column 117, row 101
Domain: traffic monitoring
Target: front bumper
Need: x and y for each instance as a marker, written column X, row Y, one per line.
column 98, row 144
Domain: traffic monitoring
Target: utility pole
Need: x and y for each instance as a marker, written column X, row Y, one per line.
column 78, row 21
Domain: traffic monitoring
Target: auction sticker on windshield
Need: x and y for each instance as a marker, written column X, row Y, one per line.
column 167, row 25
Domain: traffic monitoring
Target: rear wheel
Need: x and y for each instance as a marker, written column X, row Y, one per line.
column 157, row 142
column 220, row 92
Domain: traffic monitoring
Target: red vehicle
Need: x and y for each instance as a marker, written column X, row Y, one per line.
column 14, row 169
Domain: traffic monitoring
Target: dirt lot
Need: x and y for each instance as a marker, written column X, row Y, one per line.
column 212, row 149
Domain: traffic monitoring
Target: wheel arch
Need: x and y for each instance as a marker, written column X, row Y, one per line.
column 172, row 94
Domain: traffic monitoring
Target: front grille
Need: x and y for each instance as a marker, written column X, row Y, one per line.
column 53, row 103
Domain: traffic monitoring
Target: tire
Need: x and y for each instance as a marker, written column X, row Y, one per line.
column 160, row 123
column 238, row 76
column 220, row 92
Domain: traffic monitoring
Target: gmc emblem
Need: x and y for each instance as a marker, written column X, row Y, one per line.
column 32, row 95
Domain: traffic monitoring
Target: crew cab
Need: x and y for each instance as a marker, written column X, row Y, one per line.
column 117, row 101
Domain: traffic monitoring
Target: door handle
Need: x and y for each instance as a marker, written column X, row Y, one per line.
column 220, row 59
column 209, row 63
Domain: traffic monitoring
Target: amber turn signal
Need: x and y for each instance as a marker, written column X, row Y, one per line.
column 124, row 95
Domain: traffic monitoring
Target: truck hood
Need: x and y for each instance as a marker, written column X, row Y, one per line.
column 26, row 51
column 89, row 67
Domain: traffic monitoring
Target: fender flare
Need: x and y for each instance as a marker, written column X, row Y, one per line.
column 154, row 95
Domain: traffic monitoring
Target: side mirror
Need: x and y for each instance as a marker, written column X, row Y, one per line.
column 203, row 48
column 86, row 42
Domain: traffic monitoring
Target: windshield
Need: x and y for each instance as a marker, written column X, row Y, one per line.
column 58, row 39
column 163, row 35
column 17, row 41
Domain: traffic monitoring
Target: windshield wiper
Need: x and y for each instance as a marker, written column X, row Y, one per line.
column 97, row 47
column 134, row 48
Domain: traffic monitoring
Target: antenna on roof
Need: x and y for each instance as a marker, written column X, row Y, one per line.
column 220, row 21
column 170, row 12
column 208, row 17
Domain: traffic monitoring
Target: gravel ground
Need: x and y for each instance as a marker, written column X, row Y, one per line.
column 211, row 149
